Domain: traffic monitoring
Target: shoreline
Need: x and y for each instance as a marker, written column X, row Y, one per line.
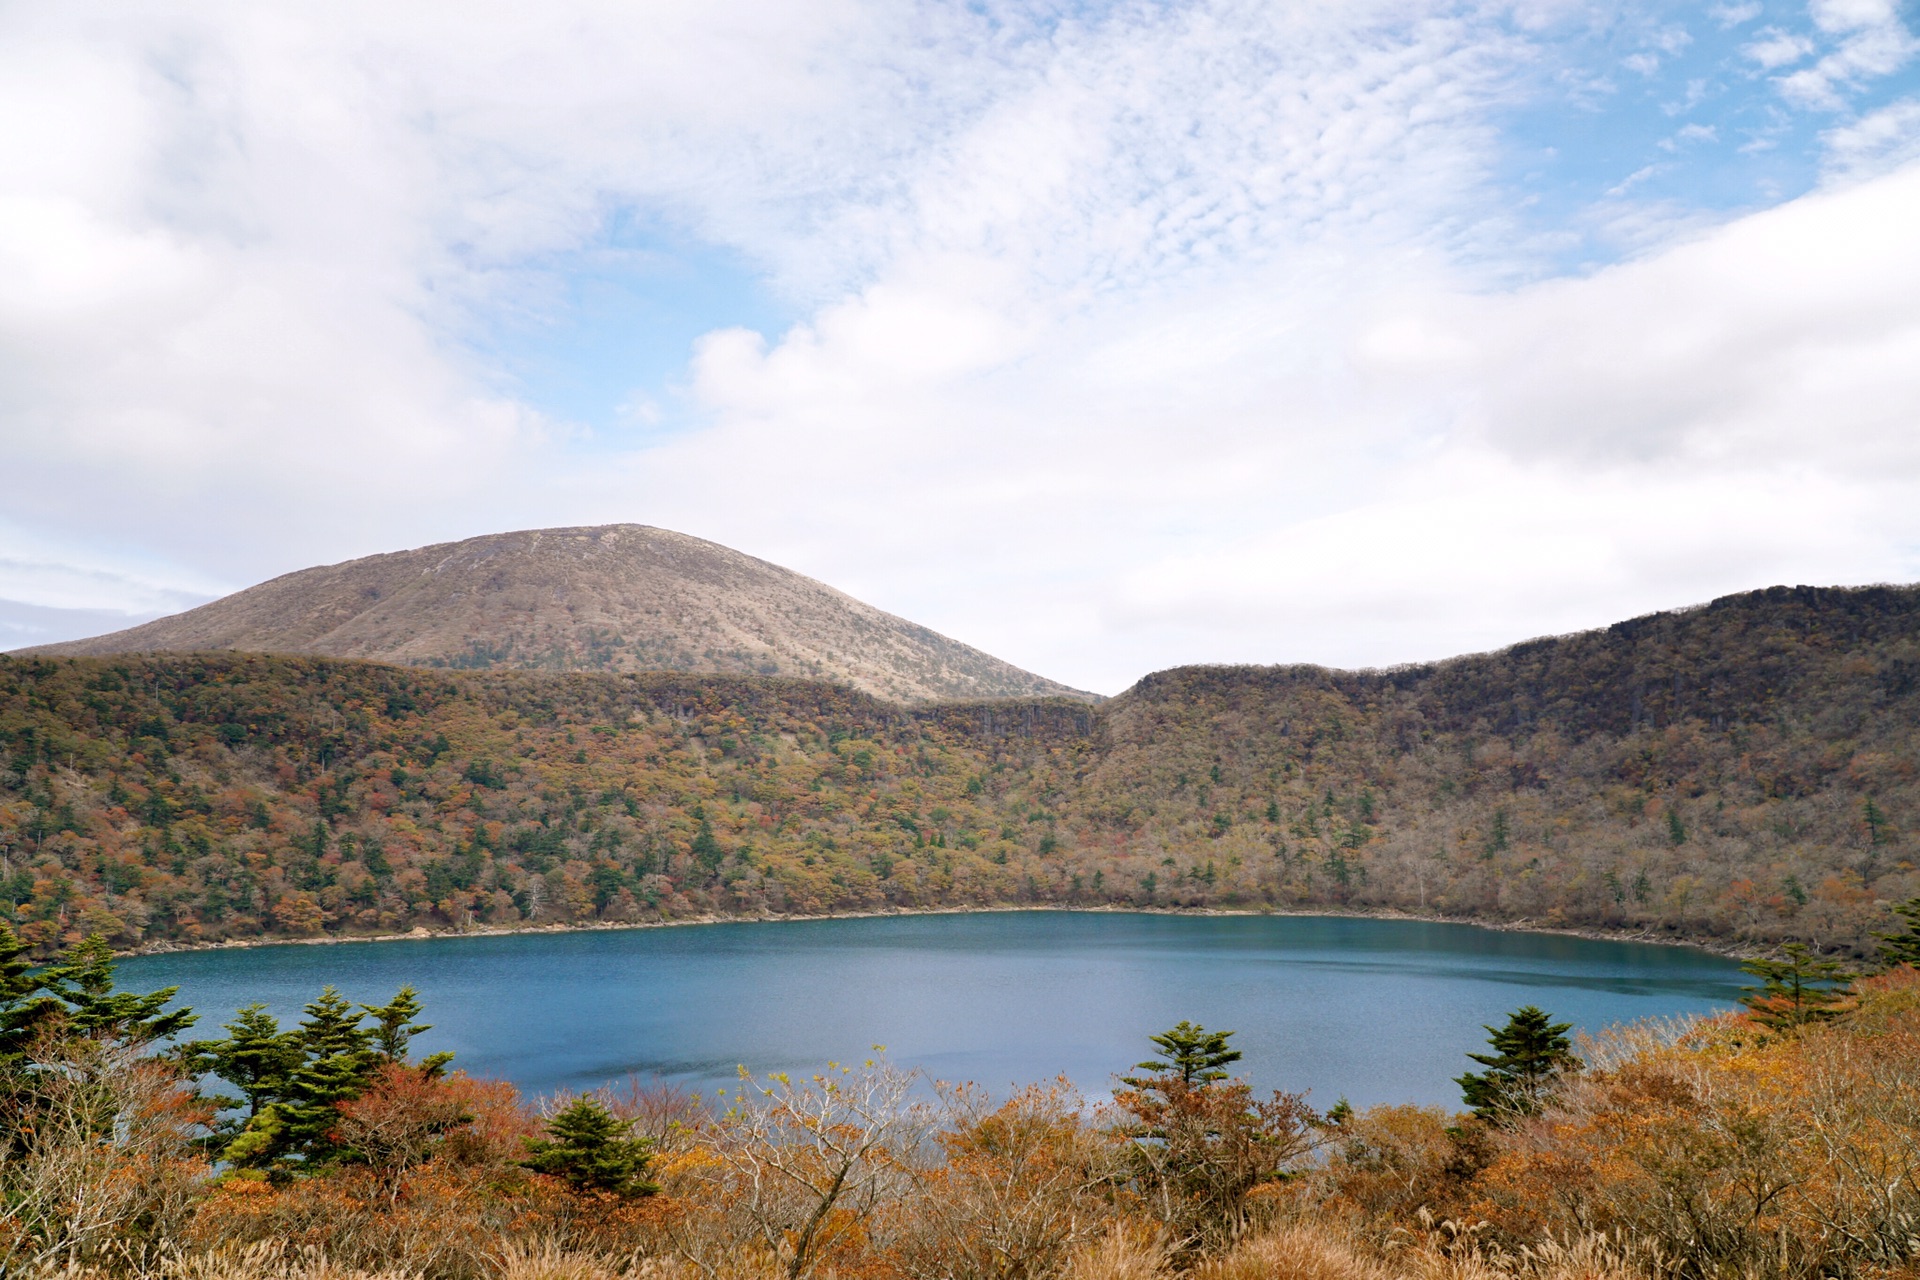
column 1724, row 948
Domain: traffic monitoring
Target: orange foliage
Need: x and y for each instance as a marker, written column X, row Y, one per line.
column 1690, row 1151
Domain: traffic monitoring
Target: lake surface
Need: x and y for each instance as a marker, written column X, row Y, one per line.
column 1375, row 1010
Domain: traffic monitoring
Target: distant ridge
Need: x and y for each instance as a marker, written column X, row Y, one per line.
column 615, row 598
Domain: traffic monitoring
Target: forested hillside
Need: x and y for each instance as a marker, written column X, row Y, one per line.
column 1746, row 770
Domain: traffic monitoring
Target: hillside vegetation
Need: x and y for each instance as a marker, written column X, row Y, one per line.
column 621, row 597
column 1743, row 771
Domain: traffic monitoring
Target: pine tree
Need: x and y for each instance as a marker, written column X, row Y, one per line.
column 1532, row 1052
column 1797, row 990
column 394, row 1026
column 338, row 1060
column 26, row 1009
column 1876, row 822
column 257, row 1058
column 592, row 1150
column 705, row 849
column 1189, row 1051
column 1502, row 834
column 293, row 1081
column 1902, row 947
column 83, row 979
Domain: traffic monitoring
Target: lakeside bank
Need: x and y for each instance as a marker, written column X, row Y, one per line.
column 1729, row 948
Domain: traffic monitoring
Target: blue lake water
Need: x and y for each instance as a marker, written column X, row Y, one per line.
column 1375, row 1010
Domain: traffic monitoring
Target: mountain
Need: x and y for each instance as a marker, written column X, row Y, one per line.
column 1744, row 772
column 612, row 598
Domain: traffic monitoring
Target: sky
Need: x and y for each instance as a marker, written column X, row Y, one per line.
column 1105, row 337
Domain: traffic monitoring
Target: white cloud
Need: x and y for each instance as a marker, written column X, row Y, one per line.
column 40, row 571
column 1775, row 48
column 1877, row 142
column 1168, row 333
column 1371, row 463
column 1724, row 350
column 1874, row 43
column 1486, row 551
column 1853, row 15
column 1689, row 134
column 244, row 243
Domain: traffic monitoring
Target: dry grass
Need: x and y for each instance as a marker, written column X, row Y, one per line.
column 264, row 1261
column 1295, row 1253
column 1129, row 1251
column 516, row 1260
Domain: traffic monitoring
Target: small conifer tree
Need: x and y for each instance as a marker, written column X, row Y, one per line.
column 83, row 979
column 1198, row 1056
column 293, row 1082
column 394, row 1026
column 591, row 1149
column 705, row 849
column 1531, row 1053
column 257, row 1058
column 25, row 1007
column 1876, row 822
column 1800, row 989
column 1903, row 945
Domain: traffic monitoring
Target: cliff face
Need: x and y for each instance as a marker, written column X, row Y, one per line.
column 614, row 598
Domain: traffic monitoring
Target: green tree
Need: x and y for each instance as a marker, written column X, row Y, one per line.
column 1876, row 822
column 257, row 1058
column 26, row 1008
column 590, row 1149
column 1903, row 946
column 1201, row 1142
column 293, row 1082
column 1191, row 1052
column 1531, row 1053
column 394, row 1027
column 1799, row 989
column 339, row 1059
column 1502, row 833
column 335, row 1060
column 83, row 980
column 706, row 850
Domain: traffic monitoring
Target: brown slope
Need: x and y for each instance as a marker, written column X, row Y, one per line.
column 602, row 598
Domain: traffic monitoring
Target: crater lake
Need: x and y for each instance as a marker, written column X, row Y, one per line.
column 1371, row 1010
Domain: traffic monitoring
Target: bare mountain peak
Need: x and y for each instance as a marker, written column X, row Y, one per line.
column 619, row 597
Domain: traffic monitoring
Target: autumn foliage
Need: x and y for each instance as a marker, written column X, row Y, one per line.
column 1744, row 770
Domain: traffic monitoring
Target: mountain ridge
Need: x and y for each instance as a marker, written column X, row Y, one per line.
column 611, row 598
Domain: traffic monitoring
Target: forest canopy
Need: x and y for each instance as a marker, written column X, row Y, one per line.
column 1743, row 771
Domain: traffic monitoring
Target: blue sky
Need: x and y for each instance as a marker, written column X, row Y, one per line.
column 1104, row 337
column 606, row 342
column 1623, row 124
column 1681, row 107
